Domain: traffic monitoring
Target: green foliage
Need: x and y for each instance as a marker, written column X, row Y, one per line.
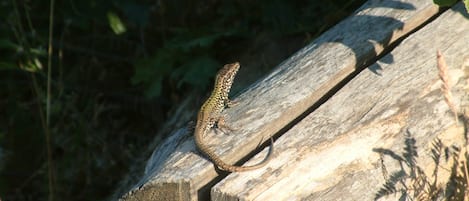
column 196, row 72
column 451, row 2
column 445, row 2
column 175, row 61
column 116, row 24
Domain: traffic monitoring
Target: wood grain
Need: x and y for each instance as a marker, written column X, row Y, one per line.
column 332, row 153
column 278, row 99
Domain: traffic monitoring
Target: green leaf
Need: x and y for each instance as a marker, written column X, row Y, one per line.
column 444, row 2
column 466, row 3
column 197, row 72
column 154, row 89
column 204, row 41
column 147, row 69
column 31, row 65
column 150, row 72
column 116, row 24
column 191, row 41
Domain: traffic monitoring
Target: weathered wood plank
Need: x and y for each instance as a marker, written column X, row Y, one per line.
column 329, row 154
column 287, row 92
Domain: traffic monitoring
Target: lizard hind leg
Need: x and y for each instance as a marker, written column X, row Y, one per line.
column 221, row 124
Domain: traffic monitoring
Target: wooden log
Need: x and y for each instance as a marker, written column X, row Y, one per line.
column 334, row 153
column 278, row 99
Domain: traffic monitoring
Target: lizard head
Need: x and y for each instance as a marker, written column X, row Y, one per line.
column 226, row 75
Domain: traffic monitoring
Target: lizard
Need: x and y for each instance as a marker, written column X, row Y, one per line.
column 210, row 114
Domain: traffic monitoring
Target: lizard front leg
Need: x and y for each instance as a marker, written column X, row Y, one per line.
column 230, row 103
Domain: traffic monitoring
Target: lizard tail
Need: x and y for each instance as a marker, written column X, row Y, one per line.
column 232, row 168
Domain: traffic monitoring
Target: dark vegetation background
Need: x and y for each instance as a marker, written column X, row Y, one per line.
column 120, row 71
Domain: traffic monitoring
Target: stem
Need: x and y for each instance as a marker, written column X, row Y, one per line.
column 47, row 133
